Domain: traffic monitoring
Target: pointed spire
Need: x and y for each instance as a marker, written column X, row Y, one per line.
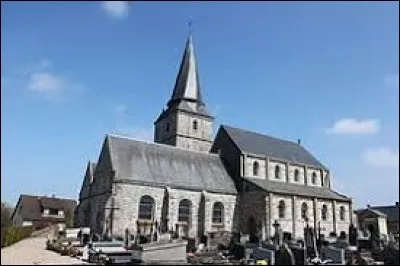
column 187, row 85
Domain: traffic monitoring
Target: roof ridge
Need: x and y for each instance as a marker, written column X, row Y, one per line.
column 260, row 134
column 161, row 144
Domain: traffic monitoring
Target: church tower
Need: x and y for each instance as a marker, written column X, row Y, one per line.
column 185, row 122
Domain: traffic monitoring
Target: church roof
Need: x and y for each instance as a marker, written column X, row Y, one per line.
column 257, row 143
column 149, row 163
column 186, row 95
column 294, row 189
column 187, row 85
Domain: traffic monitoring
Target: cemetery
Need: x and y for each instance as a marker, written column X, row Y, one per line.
column 357, row 247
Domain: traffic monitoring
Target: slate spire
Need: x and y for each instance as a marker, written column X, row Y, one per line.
column 187, row 85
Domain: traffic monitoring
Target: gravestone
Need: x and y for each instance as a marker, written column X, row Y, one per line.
column 336, row 255
column 342, row 244
column 238, row 251
column 299, row 255
column 269, row 246
column 284, row 256
column 264, row 254
column 353, row 235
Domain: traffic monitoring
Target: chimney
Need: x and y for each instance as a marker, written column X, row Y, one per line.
column 299, row 141
column 397, row 204
column 368, row 206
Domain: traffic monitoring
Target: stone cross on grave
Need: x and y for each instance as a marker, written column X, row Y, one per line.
column 278, row 233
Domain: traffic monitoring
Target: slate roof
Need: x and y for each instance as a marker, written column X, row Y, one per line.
column 186, row 95
column 365, row 211
column 257, row 143
column 158, row 164
column 391, row 212
column 294, row 189
column 32, row 207
column 187, row 85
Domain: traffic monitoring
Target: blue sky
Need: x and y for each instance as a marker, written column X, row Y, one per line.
column 323, row 72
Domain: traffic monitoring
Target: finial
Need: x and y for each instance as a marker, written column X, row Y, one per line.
column 190, row 23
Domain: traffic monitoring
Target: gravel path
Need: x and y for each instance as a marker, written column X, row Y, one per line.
column 33, row 251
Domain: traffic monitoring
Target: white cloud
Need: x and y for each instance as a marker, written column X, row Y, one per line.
column 381, row 156
column 392, row 80
column 116, row 9
column 354, row 126
column 46, row 82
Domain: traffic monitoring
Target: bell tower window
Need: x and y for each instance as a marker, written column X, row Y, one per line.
column 195, row 125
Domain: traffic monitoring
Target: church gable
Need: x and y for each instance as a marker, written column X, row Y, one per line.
column 104, row 172
column 87, row 181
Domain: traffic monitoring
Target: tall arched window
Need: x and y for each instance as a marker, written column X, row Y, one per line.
column 296, row 175
column 277, row 172
column 324, row 212
column 322, row 180
column 304, row 210
column 146, row 208
column 255, row 168
column 195, row 125
column 342, row 213
column 218, row 213
column 184, row 214
column 314, row 178
column 281, row 209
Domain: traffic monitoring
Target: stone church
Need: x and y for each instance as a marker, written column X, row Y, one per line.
column 187, row 182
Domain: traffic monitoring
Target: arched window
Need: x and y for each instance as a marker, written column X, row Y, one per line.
column 322, row 180
column 146, row 208
column 296, row 175
column 324, row 212
column 342, row 213
column 277, row 172
column 218, row 213
column 314, row 178
column 281, row 209
column 255, row 168
column 184, row 211
column 304, row 210
column 195, row 125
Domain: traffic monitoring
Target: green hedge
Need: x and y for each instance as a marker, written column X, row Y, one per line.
column 12, row 235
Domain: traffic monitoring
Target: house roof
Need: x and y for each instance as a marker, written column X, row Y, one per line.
column 257, row 143
column 158, row 164
column 294, row 189
column 369, row 210
column 391, row 212
column 31, row 207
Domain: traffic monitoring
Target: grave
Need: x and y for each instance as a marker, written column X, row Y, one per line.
column 157, row 252
column 284, row 256
column 264, row 254
column 335, row 255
